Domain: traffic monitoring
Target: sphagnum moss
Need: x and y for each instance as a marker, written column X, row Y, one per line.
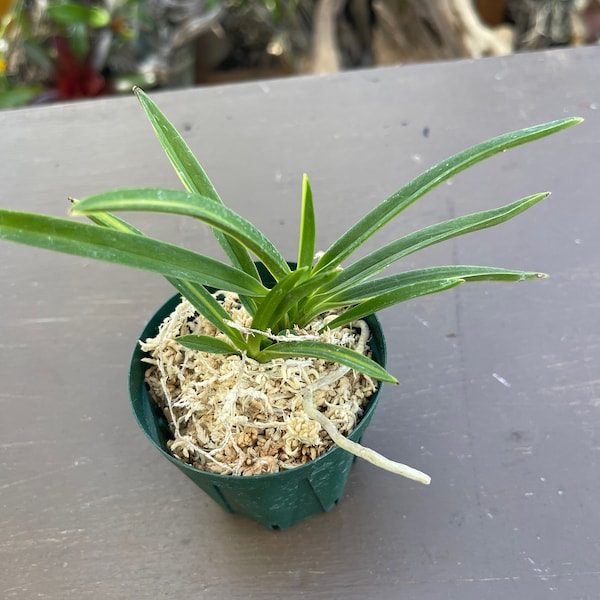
column 230, row 414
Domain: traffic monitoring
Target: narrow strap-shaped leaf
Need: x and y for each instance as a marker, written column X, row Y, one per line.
column 110, row 221
column 198, row 296
column 405, row 196
column 370, row 289
column 187, row 167
column 192, row 175
column 379, row 259
column 330, row 352
column 306, row 246
column 267, row 315
column 282, row 298
column 210, row 308
column 281, row 308
column 205, row 343
column 128, row 249
column 184, row 203
column 396, row 296
column 301, row 294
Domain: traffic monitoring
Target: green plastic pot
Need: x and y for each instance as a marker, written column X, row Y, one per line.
column 276, row 500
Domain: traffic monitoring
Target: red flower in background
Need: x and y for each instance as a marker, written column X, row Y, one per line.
column 74, row 77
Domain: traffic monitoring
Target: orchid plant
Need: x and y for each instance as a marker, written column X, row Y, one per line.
column 300, row 294
column 315, row 285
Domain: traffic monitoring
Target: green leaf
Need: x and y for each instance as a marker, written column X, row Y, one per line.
column 127, row 249
column 205, row 343
column 192, row 175
column 301, row 295
column 287, row 300
column 330, row 352
column 109, row 221
column 370, row 289
column 306, row 246
column 68, row 13
column 384, row 300
column 200, row 298
column 187, row 167
column 79, row 40
column 269, row 311
column 192, row 205
column 18, row 96
column 372, row 296
column 403, row 198
column 209, row 307
column 379, row 259
column 98, row 17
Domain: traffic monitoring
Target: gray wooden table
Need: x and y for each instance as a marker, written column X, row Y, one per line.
column 500, row 387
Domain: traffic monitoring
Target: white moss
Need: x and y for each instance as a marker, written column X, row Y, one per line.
column 233, row 415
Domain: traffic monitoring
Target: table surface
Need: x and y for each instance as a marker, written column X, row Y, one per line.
column 500, row 389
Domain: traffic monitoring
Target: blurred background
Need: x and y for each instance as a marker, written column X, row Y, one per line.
column 60, row 50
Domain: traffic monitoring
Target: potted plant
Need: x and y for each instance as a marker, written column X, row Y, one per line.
column 258, row 378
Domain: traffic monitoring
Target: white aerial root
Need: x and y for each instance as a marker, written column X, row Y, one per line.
column 343, row 442
column 232, row 415
column 361, row 451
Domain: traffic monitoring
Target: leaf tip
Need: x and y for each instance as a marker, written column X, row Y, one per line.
column 305, row 183
column 139, row 92
column 390, row 379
